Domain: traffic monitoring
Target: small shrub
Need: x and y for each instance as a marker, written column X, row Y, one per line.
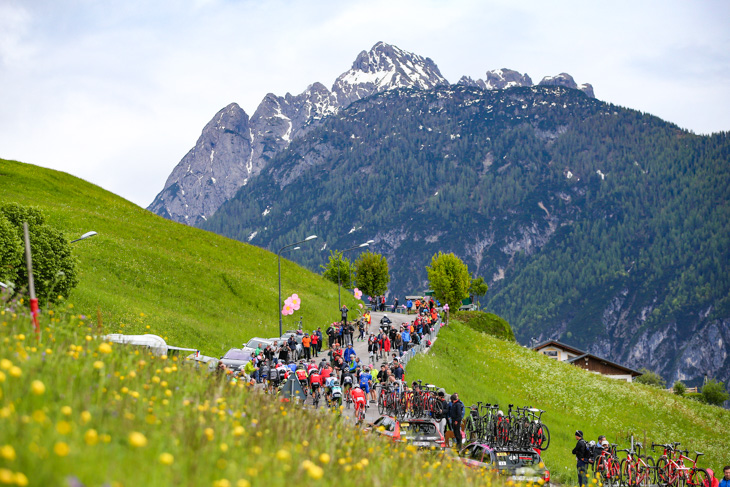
column 679, row 388
column 488, row 323
column 650, row 378
column 713, row 392
column 695, row 396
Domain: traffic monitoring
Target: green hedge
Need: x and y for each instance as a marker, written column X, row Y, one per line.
column 488, row 323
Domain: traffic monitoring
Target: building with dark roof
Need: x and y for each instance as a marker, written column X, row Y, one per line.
column 587, row 361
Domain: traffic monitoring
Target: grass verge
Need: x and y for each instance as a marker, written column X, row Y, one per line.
column 483, row 368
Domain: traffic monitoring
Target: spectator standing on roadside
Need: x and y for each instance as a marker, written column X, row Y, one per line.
column 395, row 305
column 725, row 482
column 582, row 458
column 343, row 312
column 409, row 305
column 307, row 344
column 386, row 345
column 349, row 351
column 456, row 416
column 330, row 336
column 320, row 339
column 399, row 343
column 398, row 371
column 441, row 411
column 406, row 337
column 315, row 341
column 446, row 313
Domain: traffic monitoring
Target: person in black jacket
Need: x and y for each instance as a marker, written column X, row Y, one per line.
column 456, row 415
column 582, row 456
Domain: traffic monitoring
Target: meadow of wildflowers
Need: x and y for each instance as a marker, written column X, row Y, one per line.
column 483, row 368
column 76, row 410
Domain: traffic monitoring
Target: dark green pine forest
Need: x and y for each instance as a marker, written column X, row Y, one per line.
column 598, row 225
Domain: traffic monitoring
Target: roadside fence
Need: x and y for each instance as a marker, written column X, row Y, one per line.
column 421, row 347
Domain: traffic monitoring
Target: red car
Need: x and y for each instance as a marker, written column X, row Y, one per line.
column 420, row 432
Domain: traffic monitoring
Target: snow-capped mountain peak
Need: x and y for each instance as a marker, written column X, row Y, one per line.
column 385, row 67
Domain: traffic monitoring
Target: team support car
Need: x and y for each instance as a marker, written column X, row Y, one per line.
column 517, row 465
column 422, row 433
column 211, row 363
column 252, row 344
column 235, row 358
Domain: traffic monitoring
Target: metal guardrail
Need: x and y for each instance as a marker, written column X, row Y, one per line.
column 421, row 347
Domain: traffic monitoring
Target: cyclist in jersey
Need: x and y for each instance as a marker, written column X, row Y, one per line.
column 301, row 374
column 328, row 381
column 325, row 372
column 315, row 381
column 347, row 383
column 358, row 398
column 366, row 381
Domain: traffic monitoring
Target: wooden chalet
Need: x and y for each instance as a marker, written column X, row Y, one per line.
column 598, row 365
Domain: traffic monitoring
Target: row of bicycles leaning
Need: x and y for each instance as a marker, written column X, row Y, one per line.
column 521, row 427
column 673, row 468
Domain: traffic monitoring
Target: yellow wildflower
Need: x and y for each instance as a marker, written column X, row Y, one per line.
column 61, row 449
column 91, row 437
column 7, row 452
column 137, row 439
column 166, row 458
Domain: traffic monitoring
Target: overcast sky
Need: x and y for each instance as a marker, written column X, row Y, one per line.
column 117, row 92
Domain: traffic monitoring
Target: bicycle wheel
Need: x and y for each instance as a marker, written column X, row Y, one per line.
column 645, row 471
column 544, row 437
column 662, row 472
column 698, row 477
column 628, row 473
column 469, row 429
column 614, row 473
column 381, row 404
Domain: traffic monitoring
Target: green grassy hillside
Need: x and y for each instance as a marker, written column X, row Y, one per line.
column 192, row 287
column 77, row 411
column 483, row 368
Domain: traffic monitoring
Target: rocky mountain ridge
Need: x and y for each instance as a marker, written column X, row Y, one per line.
column 584, row 217
column 234, row 148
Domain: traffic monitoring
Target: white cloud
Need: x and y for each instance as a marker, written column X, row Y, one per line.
column 118, row 92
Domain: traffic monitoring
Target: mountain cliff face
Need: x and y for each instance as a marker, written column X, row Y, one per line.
column 192, row 193
column 195, row 189
column 211, row 173
column 593, row 224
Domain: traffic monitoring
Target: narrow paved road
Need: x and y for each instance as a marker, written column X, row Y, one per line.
column 361, row 350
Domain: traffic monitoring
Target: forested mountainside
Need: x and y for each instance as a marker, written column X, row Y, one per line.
column 594, row 224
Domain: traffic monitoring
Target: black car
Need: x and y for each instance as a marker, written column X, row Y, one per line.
column 518, row 465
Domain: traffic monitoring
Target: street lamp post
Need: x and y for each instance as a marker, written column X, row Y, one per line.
column 84, row 236
column 278, row 258
column 339, row 283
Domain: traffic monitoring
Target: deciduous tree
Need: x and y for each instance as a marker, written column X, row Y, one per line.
column 54, row 267
column 449, row 278
column 371, row 273
column 338, row 265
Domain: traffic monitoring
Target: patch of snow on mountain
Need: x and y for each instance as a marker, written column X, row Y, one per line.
column 250, row 237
